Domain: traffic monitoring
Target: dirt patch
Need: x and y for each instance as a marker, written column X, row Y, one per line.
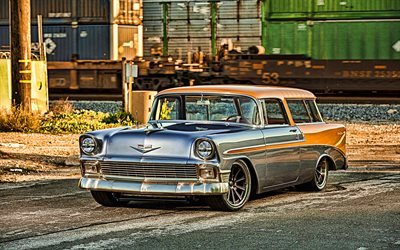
column 26, row 157
column 373, row 146
column 38, row 156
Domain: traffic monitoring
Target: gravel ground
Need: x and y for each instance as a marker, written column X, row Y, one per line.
column 361, row 112
column 43, row 156
column 102, row 106
column 336, row 112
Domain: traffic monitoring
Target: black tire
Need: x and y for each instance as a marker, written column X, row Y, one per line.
column 108, row 199
column 320, row 178
column 239, row 189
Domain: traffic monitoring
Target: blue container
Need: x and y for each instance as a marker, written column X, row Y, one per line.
column 93, row 42
column 63, row 42
column 58, row 12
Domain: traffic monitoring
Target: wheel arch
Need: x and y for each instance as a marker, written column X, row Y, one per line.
column 331, row 162
column 253, row 174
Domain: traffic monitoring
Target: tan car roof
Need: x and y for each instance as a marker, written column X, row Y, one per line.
column 256, row 91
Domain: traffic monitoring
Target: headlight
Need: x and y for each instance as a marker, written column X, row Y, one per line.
column 205, row 149
column 88, row 145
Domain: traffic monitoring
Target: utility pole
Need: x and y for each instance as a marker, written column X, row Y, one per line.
column 214, row 11
column 165, row 27
column 20, row 35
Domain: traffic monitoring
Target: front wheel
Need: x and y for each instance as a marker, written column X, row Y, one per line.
column 108, row 199
column 239, row 189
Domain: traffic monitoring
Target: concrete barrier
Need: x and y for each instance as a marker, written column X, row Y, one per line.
column 140, row 105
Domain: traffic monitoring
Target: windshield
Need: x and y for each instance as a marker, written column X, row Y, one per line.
column 237, row 109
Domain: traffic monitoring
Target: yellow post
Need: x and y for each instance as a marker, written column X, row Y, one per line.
column 5, row 84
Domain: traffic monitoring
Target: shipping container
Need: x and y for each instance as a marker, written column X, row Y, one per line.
column 356, row 40
column 189, row 25
column 93, row 42
column 331, row 9
column 58, row 39
column 335, row 40
column 288, row 38
column 83, row 42
column 128, row 41
column 355, row 9
column 93, row 11
column 127, row 12
column 59, row 12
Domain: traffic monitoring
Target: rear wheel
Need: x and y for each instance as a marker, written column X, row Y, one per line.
column 108, row 199
column 320, row 179
column 239, row 189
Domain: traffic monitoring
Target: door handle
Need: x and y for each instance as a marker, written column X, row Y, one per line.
column 293, row 130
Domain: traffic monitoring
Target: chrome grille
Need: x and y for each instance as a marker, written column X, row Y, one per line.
column 146, row 170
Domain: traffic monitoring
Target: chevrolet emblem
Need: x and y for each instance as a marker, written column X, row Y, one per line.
column 144, row 148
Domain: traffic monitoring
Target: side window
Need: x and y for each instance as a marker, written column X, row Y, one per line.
column 313, row 110
column 249, row 110
column 274, row 112
column 299, row 111
column 168, row 108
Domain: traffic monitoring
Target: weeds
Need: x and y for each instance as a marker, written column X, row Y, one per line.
column 62, row 107
column 61, row 120
column 121, row 117
column 19, row 120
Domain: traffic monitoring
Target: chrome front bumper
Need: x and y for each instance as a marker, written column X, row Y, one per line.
column 143, row 188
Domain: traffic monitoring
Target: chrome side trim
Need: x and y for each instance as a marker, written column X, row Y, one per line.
column 153, row 188
column 262, row 146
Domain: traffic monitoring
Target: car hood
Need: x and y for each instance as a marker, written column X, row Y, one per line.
column 174, row 142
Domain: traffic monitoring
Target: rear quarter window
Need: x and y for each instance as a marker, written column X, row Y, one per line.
column 299, row 111
column 313, row 110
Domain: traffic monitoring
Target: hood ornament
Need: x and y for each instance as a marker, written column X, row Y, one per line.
column 144, row 148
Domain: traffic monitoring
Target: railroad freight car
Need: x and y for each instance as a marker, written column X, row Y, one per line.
column 328, row 46
column 187, row 26
column 85, row 40
column 319, row 29
column 80, row 11
column 83, row 29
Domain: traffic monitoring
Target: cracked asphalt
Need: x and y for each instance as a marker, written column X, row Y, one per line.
column 358, row 210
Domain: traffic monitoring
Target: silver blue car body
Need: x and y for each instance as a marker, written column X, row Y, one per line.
column 223, row 160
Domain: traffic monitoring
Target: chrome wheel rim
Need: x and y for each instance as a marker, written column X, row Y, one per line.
column 321, row 172
column 238, row 185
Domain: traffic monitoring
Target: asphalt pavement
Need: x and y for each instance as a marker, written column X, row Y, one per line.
column 358, row 210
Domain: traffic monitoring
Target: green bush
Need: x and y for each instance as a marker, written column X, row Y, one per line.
column 78, row 121
column 121, row 117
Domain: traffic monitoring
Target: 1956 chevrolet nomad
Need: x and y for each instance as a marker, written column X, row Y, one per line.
column 222, row 143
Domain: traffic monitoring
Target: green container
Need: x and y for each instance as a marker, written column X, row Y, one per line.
column 288, row 9
column 288, row 38
column 331, row 9
column 335, row 40
column 354, row 9
column 355, row 40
